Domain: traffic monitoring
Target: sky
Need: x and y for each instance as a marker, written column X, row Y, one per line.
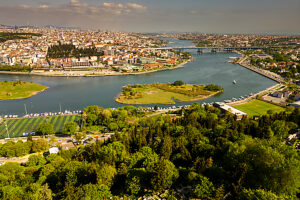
column 205, row 16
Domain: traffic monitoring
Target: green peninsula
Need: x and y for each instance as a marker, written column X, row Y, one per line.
column 19, row 89
column 166, row 93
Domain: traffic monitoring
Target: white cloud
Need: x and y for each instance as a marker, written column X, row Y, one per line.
column 74, row 13
column 77, row 7
column 137, row 7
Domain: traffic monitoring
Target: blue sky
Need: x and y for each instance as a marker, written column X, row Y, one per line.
column 207, row 16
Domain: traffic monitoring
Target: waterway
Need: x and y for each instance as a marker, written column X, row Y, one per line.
column 75, row 93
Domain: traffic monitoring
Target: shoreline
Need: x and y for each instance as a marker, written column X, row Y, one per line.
column 92, row 73
column 263, row 92
column 27, row 97
column 265, row 73
column 33, row 94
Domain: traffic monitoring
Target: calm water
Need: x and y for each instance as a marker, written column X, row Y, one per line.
column 78, row 92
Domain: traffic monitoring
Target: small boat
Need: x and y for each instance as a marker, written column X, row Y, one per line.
column 234, row 81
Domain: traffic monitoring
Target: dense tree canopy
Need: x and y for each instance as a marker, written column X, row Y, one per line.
column 69, row 50
column 202, row 154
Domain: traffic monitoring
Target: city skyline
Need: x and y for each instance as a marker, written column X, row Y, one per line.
column 232, row 16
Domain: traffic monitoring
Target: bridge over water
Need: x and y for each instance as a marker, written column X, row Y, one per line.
column 211, row 48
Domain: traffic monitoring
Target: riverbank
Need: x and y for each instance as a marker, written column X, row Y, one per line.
column 244, row 62
column 261, row 93
column 89, row 73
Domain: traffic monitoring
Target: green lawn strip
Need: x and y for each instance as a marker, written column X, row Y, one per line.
column 56, row 122
column 38, row 122
column 21, row 129
column 9, row 123
column 28, row 126
column 50, row 120
column 17, row 125
column 257, row 107
column 77, row 118
column 62, row 122
column 3, row 128
column 72, row 118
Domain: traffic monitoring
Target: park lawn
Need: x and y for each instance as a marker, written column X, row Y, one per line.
column 258, row 107
column 162, row 94
column 19, row 89
column 16, row 127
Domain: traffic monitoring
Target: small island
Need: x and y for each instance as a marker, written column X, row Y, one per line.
column 166, row 93
column 19, row 89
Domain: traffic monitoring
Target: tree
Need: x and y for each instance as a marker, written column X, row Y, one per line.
column 91, row 119
column 269, row 165
column 35, row 191
column 166, row 147
column 137, row 180
column 45, row 129
column 29, row 137
column 106, row 174
column 111, row 153
column 11, row 173
column 178, row 83
column 204, row 189
column 164, row 175
column 93, row 192
column 280, row 129
column 11, row 192
column 39, row 145
column 113, row 126
column 133, row 185
column 79, row 136
column 261, row 195
column 36, row 160
column 70, row 128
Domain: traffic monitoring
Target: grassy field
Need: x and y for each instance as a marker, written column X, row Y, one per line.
column 19, row 89
column 162, row 94
column 16, row 127
column 257, row 107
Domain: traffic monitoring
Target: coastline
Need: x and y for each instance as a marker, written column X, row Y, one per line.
column 92, row 73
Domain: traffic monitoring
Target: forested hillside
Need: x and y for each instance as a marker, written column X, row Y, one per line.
column 201, row 153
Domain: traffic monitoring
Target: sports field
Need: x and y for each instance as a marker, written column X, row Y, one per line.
column 16, row 127
column 257, row 107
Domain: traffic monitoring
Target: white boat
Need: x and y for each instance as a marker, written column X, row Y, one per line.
column 234, row 81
